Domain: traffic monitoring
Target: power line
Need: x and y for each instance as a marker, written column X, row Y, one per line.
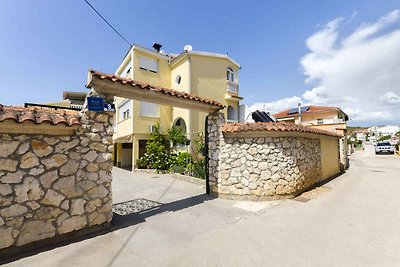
column 120, row 35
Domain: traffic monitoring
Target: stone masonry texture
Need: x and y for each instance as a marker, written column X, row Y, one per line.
column 51, row 185
column 260, row 168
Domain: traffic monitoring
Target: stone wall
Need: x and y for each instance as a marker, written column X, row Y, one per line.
column 264, row 165
column 51, row 185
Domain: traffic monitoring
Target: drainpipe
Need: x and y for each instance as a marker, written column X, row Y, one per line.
column 190, row 91
column 206, row 158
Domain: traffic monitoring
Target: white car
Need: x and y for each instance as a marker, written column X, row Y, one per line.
column 384, row 147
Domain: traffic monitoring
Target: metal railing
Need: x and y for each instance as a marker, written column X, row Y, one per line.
column 232, row 87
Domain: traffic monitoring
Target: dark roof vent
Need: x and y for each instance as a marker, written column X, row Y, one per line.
column 157, row 46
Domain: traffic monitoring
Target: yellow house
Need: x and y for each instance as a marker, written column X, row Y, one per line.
column 331, row 119
column 210, row 75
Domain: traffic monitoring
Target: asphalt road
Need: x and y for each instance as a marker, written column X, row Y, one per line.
column 353, row 221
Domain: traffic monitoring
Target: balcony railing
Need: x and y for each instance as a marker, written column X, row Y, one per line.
column 231, row 121
column 324, row 121
column 232, row 88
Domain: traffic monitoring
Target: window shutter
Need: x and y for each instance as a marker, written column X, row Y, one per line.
column 148, row 64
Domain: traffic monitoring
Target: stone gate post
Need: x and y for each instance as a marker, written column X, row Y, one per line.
column 214, row 122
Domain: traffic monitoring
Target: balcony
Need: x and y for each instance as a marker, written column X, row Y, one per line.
column 232, row 91
column 324, row 122
column 232, row 88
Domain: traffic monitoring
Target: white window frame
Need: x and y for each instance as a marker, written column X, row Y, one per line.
column 124, row 110
column 127, row 69
column 230, row 74
column 147, row 109
column 149, row 64
column 320, row 121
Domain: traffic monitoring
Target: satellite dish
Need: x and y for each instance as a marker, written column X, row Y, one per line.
column 188, row 48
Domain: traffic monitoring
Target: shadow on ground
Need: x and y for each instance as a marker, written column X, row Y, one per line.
column 130, row 213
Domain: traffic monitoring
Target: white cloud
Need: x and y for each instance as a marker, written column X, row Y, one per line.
column 391, row 98
column 278, row 105
column 317, row 95
column 358, row 72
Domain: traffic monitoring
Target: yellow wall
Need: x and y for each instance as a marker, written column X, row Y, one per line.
column 209, row 80
column 329, row 157
column 200, row 75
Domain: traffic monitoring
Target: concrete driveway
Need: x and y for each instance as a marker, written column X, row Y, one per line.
column 351, row 221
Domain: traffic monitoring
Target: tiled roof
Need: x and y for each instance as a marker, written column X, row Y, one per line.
column 149, row 87
column 39, row 115
column 312, row 109
column 271, row 126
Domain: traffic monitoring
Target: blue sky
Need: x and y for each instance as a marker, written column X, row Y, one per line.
column 47, row 47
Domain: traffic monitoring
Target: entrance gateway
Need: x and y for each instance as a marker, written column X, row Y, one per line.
column 108, row 86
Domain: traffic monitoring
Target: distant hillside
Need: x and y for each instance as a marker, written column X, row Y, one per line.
column 355, row 128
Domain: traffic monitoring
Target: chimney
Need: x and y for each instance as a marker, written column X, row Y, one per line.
column 157, row 47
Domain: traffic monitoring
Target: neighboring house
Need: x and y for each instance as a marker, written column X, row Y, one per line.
column 71, row 100
column 210, row 75
column 331, row 119
column 361, row 135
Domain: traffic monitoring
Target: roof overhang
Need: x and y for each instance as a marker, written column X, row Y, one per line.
column 111, row 85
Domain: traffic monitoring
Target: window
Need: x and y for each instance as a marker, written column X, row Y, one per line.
column 125, row 110
column 148, row 64
column 230, row 75
column 178, row 79
column 320, row 121
column 148, row 109
column 126, row 70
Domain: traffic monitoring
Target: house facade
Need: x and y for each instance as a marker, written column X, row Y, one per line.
column 210, row 75
column 331, row 119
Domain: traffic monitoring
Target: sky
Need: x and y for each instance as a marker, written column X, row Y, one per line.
column 339, row 53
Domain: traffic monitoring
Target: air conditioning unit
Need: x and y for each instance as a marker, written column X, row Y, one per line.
column 153, row 128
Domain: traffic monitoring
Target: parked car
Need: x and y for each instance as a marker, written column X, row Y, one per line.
column 384, row 147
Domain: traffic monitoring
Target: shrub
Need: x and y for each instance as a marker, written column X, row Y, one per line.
column 157, row 154
column 176, row 136
column 142, row 163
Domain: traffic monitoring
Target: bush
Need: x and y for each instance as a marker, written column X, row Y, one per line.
column 157, row 154
column 183, row 159
column 198, row 169
column 176, row 136
column 142, row 163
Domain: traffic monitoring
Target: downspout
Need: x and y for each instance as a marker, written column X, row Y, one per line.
column 190, row 91
column 206, row 158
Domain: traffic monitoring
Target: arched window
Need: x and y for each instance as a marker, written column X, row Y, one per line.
column 232, row 114
column 179, row 122
column 230, row 74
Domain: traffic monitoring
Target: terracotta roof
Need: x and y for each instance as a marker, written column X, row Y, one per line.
column 312, row 109
column 149, row 87
column 39, row 115
column 271, row 126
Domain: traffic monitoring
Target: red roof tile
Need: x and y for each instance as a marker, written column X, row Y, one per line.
column 312, row 109
column 271, row 126
column 149, row 87
column 39, row 115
